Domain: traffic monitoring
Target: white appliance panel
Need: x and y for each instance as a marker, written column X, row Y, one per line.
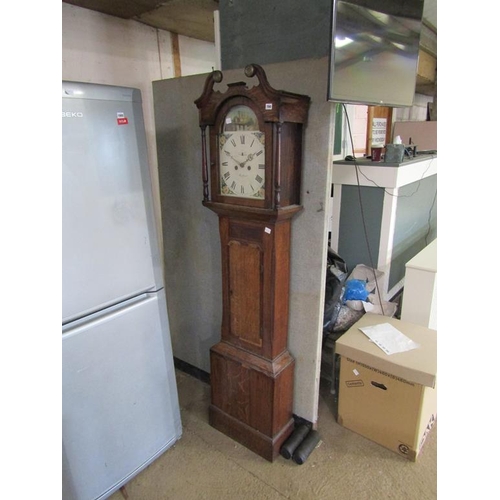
column 120, row 407
column 110, row 250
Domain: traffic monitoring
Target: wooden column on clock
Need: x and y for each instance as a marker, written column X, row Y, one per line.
column 253, row 185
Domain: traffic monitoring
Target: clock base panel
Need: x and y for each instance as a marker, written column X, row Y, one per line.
column 264, row 446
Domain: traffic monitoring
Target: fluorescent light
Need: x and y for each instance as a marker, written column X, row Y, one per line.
column 342, row 41
column 400, row 46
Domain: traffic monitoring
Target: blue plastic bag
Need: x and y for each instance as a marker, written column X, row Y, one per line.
column 355, row 290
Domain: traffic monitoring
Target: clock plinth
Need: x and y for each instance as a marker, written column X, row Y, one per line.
column 252, row 398
column 255, row 144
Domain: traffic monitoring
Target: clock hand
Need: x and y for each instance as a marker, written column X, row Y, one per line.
column 249, row 158
column 241, row 165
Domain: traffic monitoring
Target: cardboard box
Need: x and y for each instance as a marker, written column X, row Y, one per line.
column 389, row 399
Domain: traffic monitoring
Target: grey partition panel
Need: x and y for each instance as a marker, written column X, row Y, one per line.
column 191, row 240
column 268, row 32
column 190, row 231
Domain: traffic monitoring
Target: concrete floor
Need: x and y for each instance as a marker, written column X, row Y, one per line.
column 206, row 465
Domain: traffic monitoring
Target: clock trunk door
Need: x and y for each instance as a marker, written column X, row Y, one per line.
column 245, row 292
column 244, row 252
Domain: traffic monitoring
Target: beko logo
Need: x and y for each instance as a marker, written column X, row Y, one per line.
column 72, row 114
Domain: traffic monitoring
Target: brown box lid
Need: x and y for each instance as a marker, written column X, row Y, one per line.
column 418, row 365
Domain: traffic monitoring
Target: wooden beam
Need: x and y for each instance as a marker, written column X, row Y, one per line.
column 427, row 65
column 176, row 54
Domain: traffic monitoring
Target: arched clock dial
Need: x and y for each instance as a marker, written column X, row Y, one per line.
column 242, row 164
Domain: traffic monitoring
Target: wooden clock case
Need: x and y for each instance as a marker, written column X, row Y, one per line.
column 251, row 367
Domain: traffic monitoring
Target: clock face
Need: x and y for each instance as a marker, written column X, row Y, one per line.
column 242, row 155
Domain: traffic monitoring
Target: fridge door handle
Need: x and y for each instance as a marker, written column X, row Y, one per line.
column 99, row 317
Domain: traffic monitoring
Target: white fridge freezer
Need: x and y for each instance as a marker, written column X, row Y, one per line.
column 119, row 394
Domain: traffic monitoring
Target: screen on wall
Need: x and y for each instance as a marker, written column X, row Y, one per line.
column 374, row 51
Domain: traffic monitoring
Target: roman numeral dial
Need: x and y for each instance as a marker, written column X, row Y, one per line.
column 242, row 164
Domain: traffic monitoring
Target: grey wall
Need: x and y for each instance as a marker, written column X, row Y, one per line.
column 191, row 236
column 415, row 226
column 264, row 31
column 354, row 246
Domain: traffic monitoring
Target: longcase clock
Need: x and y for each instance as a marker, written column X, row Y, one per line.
column 251, row 167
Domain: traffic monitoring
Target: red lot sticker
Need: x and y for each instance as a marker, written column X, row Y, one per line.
column 122, row 121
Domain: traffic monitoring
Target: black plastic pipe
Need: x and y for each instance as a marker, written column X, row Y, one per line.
column 291, row 444
column 306, row 447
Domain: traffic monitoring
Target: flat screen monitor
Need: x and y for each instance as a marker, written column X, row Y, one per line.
column 374, row 51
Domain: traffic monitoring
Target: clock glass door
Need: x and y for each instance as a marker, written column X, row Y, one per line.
column 242, row 168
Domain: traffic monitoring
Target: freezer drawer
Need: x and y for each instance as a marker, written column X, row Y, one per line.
column 120, row 403
column 109, row 243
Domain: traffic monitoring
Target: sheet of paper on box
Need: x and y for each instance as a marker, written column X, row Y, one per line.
column 388, row 338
